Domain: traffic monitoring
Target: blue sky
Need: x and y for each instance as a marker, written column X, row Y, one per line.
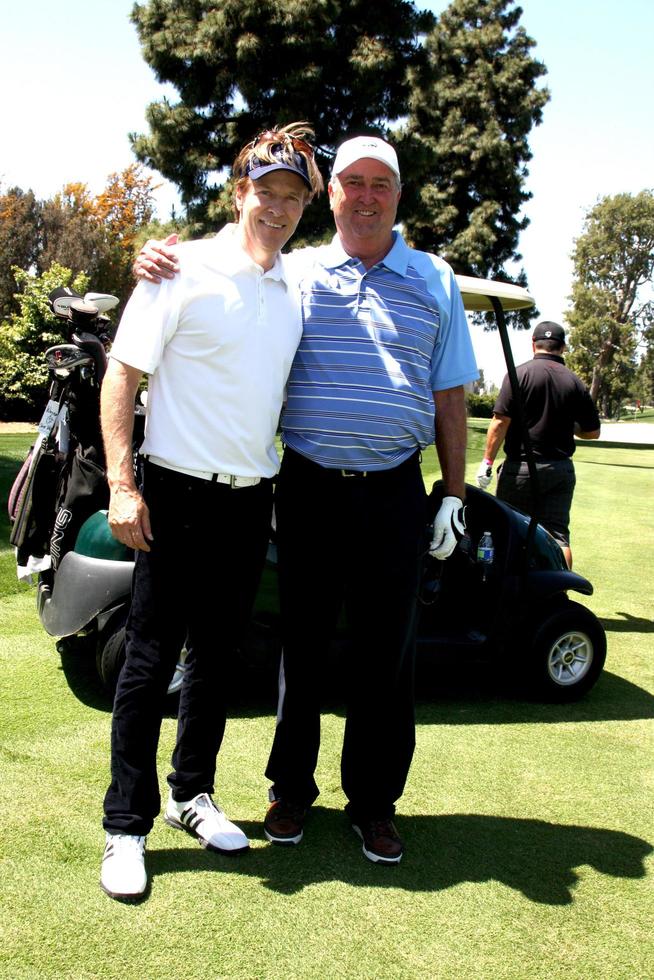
column 74, row 84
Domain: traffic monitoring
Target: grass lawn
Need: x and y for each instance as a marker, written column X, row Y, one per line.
column 528, row 828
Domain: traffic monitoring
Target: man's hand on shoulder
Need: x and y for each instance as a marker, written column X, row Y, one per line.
column 157, row 260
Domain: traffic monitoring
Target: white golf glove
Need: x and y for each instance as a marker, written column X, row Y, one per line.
column 449, row 527
column 485, row 473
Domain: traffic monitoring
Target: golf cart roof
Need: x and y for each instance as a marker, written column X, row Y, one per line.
column 476, row 294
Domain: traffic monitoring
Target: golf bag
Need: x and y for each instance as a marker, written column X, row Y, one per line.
column 62, row 482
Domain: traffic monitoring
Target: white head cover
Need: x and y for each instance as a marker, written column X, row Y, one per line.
column 362, row 147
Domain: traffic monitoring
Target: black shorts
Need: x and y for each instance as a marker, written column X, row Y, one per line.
column 556, row 480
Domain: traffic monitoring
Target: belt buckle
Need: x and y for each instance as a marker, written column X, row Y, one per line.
column 351, row 473
column 232, row 482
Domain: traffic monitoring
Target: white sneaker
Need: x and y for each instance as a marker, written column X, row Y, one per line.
column 206, row 821
column 123, row 873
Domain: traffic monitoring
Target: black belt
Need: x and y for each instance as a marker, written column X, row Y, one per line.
column 333, row 473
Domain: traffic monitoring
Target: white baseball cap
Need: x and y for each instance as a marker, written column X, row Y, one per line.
column 361, row 147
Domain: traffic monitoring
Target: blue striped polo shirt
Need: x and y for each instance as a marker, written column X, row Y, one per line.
column 376, row 343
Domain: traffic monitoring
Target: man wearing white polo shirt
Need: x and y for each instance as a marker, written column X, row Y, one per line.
column 217, row 344
column 385, row 341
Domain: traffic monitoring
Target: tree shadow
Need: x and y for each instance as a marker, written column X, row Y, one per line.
column 621, row 466
column 533, row 857
column 615, row 444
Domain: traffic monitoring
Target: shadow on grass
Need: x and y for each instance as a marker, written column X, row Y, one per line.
column 535, row 858
column 628, row 624
column 253, row 682
column 615, row 444
column 445, row 694
column 622, row 466
column 480, row 698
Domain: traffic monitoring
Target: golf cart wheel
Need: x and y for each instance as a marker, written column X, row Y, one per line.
column 568, row 653
column 111, row 657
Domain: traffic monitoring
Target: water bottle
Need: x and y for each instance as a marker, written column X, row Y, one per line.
column 485, row 554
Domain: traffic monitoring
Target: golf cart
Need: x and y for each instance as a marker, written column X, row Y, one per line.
column 515, row 611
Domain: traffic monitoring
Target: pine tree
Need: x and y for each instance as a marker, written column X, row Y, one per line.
column 241, row 66
column 473, row 104
column 458, row 97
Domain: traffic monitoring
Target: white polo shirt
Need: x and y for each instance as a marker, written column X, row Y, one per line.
column 218, row 341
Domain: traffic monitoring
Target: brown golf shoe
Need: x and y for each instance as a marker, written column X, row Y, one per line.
column 381, row 841
column 284, row 822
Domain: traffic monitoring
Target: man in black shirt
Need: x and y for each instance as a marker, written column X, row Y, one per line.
column 557, row 407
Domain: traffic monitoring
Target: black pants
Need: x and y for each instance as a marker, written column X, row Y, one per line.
column 197, row 584
column 352, row 542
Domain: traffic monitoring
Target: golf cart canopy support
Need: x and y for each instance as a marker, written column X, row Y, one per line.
column 489, row 295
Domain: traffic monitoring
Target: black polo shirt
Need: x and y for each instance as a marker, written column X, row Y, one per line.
column 554, row 398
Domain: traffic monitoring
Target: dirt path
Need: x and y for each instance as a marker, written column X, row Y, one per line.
column 17, row 427
column 638, row 433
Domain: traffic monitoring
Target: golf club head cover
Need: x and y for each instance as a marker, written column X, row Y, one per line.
column 485, row 473
column 449, row 527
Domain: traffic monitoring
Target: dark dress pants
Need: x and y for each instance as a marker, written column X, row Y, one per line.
column 352, row 543
column 197, row 584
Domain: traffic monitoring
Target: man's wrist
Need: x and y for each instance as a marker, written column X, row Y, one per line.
column 488, row 461
column 122, row 486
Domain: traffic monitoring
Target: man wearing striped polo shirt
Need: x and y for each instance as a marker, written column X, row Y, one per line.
column 385, row 340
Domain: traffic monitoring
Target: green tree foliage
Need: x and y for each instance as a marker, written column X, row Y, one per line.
column 458, row 97
column 71, row 234
column 25, row 337
column 479, row 405
column 19, row 241
column 473, row 103
column 75, row 239
column 242, row 65
column 94, row 234
column 611, row 310
column 98, row 235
